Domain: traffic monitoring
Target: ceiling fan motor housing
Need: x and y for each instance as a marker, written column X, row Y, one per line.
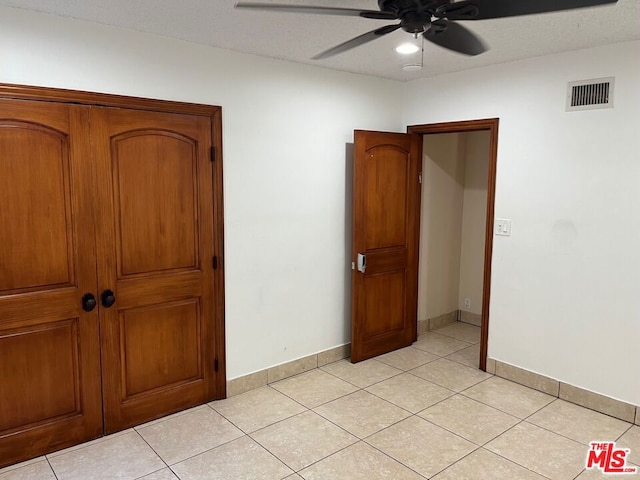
column 415, row 15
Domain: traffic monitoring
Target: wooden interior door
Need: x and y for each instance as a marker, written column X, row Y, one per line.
column 155, row 254
column 49, row 346
column 386, row 212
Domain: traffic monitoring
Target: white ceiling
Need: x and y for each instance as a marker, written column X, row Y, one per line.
column 298, row 37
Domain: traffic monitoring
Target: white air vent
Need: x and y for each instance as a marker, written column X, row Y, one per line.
column 590, row 94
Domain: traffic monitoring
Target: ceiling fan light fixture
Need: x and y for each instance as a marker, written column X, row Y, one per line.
column 407, row 48
column 412, row 67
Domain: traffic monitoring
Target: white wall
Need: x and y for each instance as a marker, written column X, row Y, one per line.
column 474, row 219
column 565, row 293
column 286, row 129
column 440, row 224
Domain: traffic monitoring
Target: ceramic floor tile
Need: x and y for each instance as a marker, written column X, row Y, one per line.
column 314, row 388
column 359, row 462
column 39, row 470
column 362, row 413
column 421, row 445
column 187, row 435
column 407, row 358
column 91, row 443
column 242, row 459
column 578, row 423
column 469, row 356
column 123, row 457
column 472, row 420
column 542, row 451
column 451, row 375
column 295, row 476
column 361, row 374
column 410, row 392
column 304, row 439
column 509, row 397
column 168, row 417
column 631, row 440
column 164, row 474
column 484, row 465
column 439, row 344
column 258, row 408
column 23, row 464
column 461, row 331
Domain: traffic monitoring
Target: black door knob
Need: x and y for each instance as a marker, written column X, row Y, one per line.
column 108, row 298
column 88, row 302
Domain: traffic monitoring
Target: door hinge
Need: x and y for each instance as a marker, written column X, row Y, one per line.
column 420, row 177
column 213, row 154
column 215, row 262
column 216, row 366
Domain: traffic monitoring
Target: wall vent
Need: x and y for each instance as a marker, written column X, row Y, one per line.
column 590, row 94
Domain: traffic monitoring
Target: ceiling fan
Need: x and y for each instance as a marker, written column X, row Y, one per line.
column 435, row 20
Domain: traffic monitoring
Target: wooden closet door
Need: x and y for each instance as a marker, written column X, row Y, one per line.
column 155, row 251
column 49, row 346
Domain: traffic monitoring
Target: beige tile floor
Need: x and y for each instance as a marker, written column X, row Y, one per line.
column 423, row 412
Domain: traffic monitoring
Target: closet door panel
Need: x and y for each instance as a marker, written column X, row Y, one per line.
column 35, row 192
column 49, row 346
column 160, row 236
column 155, row 248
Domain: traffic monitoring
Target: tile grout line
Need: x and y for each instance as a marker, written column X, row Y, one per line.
column 359, row 439
column 321, row 404
column 508, row 459
column 154, row 451
column 88, row 443
column 564, row 436
column 51, row 467
column 367, row 386
column 480, row 445
column 524, row 420
column 319, row 460
column 448, row 388
column 278, row 421
column 396, row 460
column 500, row 409
column 155, row 471
column 422, row 410
column 364, row 439
column 169, row 466
column 273, row 455
column 227, row 419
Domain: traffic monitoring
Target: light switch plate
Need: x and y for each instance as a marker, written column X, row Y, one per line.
column 503, row 227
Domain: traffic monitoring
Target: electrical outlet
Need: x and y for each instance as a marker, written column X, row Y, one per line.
column 467, row 303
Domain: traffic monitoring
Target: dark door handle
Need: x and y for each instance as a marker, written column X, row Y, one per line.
column 108, row 298
column 88, row 302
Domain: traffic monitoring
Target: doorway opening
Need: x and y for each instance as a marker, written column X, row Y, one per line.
column 459, row 171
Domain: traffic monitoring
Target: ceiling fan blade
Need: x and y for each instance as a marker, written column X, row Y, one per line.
column 485, row 9
column 356, row 42
column 455, row 37
column 349, row 12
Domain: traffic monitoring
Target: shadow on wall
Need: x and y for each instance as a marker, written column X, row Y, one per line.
column 348, row 225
